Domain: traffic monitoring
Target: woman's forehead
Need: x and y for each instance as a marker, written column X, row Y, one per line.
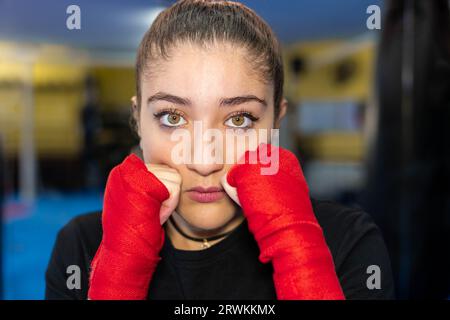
column 205, row 73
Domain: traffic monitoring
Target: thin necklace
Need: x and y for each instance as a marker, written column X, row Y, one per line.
column 204, row 241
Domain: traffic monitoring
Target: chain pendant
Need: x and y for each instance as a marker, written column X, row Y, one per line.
column 205, row 244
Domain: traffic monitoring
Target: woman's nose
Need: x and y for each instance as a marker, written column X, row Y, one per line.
column 204, row 167
column 206, row 158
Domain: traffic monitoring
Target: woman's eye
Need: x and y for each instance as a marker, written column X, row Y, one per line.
column 172, row 120
column 239, row 121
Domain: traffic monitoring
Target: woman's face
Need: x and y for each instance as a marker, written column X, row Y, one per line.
column 196, row 85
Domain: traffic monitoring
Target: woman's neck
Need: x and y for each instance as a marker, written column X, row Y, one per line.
column 183, row 243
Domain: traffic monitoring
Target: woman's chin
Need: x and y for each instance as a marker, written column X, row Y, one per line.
column 208, row 216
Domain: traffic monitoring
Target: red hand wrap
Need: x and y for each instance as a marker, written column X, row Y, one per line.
column 132, row 234
column 280, row 216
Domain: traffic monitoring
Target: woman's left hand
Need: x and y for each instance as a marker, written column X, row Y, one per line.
column 280, row 216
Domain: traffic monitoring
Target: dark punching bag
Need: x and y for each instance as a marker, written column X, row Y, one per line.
column 408, row 190
column 2, row 203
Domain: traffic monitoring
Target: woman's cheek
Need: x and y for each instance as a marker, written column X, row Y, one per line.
column 156, row 147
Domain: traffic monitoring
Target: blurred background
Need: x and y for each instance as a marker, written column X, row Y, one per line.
column 369, row 120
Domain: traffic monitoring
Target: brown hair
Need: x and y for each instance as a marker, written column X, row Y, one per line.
column 205, row 22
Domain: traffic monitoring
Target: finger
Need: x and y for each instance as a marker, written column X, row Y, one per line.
column 171, row 185
column 175, row 179
column 231, row 191
column 164, row 213
column 162, row 169
column 168, row 206
column 152, row 166
column 167, row 176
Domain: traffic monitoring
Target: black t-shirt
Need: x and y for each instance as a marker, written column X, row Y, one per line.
column 230, row 269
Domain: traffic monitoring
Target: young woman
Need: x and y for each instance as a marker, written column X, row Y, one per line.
column 215, row 230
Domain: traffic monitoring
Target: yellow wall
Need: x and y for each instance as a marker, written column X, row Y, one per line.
column 59, row 98
column 319, row 84
column 116, row 86
column 10, row 107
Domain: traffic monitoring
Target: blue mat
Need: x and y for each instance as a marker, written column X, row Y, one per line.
column 29, row 239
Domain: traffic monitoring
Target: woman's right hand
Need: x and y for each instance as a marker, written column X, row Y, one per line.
column 132, row 233
column 172, row 180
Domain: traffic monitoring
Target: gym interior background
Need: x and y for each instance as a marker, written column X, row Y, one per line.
column 369, row 120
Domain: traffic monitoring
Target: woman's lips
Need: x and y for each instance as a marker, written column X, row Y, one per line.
column 204, row 195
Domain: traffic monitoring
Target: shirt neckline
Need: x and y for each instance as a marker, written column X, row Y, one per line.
column 206, row 255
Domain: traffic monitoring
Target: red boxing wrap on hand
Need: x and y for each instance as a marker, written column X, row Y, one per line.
column 132, row 233
column 280, row 216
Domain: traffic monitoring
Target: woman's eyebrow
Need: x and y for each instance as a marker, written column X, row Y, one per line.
column 169, row 98
column 241, row 99
column 233, row 101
